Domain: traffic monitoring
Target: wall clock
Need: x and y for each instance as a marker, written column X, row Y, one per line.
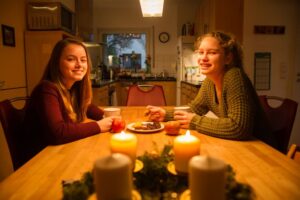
column 164, row 37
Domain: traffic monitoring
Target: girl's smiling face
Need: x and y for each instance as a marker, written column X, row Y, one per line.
column 73, row 64
column 212, row 59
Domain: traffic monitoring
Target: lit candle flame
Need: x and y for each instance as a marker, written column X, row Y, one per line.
column 187, row 133
column 123, row 134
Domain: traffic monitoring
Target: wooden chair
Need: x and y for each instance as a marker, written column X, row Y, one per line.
column 281, row 120
column 143, row 95
column 294, row 152
column 12, row 123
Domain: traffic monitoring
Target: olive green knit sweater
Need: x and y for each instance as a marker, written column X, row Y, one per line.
column 239, row 111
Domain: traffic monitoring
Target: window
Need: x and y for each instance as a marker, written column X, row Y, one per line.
column 127, row 49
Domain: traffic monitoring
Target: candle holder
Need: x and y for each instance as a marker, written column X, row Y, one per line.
column 171, row 168
column 186, row 195
column 135, row 195
column 139, row 165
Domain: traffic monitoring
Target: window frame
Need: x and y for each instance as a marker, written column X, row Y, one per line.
column 147, row 30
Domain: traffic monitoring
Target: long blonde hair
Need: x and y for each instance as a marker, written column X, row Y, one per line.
column 78, row 98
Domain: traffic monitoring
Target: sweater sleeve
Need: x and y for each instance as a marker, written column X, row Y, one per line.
column 56, row 125
column 198, row 105
column 236, row 110
column 94, row 112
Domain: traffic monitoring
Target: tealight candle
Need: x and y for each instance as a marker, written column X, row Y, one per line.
column 113, row 177
column 185, row 147
column 207, row 178
column 125, row 143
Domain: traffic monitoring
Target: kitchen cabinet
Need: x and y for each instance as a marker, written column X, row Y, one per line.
column 101, row 96
column 114, row 93
column 225, row 15
column 122, row 91
column 107, row 93
column 84, row 18
column 38, row 48
column 188, row 92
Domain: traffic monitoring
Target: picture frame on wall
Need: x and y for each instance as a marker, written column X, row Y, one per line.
column 8, row 35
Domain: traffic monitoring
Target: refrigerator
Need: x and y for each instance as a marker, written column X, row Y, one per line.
column 187, row 63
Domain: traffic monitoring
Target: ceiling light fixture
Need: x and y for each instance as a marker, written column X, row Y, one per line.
column 152, row 8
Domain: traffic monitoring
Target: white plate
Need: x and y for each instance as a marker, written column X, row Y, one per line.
column 130, row 127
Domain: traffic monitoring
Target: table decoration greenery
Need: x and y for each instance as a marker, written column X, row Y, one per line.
column 154, row 181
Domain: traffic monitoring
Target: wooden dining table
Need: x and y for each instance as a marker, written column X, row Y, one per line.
column 271, row 174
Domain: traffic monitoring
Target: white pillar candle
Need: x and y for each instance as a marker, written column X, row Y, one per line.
column 207, row 178
column 113, row 177
column 125, row 143
column 185, row 147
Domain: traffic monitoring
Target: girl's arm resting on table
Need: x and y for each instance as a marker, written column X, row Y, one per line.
column 57, row 126
column 239, row 122
column 225, row 128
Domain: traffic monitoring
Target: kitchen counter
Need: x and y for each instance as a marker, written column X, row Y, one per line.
column 148, row 79
column 114, row 92
column 103, row 83
column 196, row 84
column 132, row 80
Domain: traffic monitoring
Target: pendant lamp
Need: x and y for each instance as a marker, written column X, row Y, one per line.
column 152, row 8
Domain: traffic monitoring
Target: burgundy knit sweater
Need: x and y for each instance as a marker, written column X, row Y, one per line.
column 47, row 121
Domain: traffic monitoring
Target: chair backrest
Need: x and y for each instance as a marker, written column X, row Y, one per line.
column 281, row 119
column 143, row 95
column 294, row 152
column 12, row 123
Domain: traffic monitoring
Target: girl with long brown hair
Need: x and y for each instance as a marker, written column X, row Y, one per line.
column 60, row 108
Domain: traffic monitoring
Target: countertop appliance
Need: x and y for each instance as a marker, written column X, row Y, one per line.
column 50, row 16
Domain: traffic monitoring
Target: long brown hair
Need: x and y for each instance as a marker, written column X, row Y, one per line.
column 230, row 45
column 78, row 98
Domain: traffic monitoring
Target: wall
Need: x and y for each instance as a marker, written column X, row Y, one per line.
column 12, row 58
column 12, row 67
column 295, row 137
column 186, row 13
column 284, row 48
column 127, row 14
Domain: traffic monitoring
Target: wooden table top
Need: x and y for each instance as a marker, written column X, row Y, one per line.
column 271, row 174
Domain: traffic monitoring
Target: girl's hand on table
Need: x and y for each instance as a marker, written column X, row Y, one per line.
column 105, row 123
column 184, row 118
column 155, row 113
